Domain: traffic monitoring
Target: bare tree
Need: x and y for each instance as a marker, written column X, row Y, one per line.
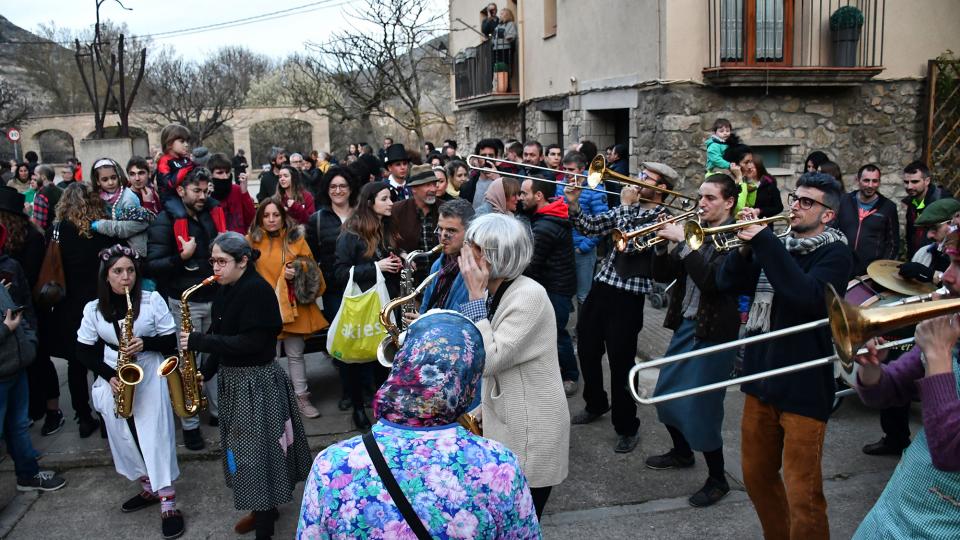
column 13, row 106
column 202, row 96
column 107, row 85
column 376, row 68
column 52, row 68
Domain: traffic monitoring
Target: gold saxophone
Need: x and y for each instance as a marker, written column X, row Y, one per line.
column 186, row 394
column 128, row 372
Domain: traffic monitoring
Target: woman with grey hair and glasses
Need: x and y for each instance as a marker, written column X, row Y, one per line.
column 523, row 404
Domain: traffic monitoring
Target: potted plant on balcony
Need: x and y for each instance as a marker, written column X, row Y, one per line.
column 501, row 77
column 845, row 26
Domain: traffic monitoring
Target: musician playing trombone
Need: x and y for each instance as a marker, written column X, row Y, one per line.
column 921, row 499
column 700, row 315
column 785, row 417
column 612, row 315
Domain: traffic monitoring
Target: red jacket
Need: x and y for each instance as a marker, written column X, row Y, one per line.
column 238, row 210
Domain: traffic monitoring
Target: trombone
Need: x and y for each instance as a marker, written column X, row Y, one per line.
column 695, row 234
column 622, row 240
column 596, row 174
column 851, row 327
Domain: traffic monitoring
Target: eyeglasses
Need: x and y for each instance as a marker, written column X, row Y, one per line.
column 220, row 262
column 805, row 203
column 448, row 233
column 336, row 187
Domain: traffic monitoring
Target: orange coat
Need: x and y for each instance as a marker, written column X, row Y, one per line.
column 308, row 319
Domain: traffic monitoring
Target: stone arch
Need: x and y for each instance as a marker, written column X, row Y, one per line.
column 55, row 146
column 292, row 134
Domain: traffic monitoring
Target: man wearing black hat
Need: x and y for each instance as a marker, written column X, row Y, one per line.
column 398, row 163
column 415, row 219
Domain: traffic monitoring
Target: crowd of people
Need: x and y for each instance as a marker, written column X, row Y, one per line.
column 514, row 243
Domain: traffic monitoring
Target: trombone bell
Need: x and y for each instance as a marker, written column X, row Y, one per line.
column 852, row 326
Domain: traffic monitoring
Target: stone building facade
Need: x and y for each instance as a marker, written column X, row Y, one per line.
column 659, row 90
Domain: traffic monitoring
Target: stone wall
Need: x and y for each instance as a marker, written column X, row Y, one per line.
column 476, row 124
column 878, row 122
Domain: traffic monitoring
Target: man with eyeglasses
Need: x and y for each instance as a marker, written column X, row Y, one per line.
column 178, row 257
column 415, row 219
column 448, row 291
column 785, row 417
column 611, row 317
column 66, row 176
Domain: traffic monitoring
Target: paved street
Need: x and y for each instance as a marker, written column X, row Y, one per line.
column 607, row 495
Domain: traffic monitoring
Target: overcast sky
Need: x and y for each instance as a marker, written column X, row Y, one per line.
column 275, row 35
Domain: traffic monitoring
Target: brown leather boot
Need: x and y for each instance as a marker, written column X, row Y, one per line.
column 245, row 525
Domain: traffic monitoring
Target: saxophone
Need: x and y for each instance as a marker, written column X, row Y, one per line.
column 180, row 371
column 406, row 281
column 128, row 372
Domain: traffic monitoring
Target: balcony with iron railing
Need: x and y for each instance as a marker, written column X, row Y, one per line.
column 794, row 42
column 486, row 77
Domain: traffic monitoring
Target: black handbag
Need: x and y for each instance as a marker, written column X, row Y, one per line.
column 393, row 488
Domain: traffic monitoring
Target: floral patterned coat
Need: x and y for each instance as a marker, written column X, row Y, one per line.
column 459, row 484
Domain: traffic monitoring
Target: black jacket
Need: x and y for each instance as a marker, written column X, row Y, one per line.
column 768, row 199
column 917, row 238
column 875, row 237
column 323, row 230
column 350, row 253
column 553, row 264
column 246, row 321
column 800, row 284
column 717, row 317
column 81, row 267
column 172, row 274
column 268, row 185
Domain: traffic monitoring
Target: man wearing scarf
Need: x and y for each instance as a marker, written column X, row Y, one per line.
column 238, row 209
column 785, row 417
column 448, row 290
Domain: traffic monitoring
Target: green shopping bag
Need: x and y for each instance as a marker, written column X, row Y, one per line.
column 356, row 331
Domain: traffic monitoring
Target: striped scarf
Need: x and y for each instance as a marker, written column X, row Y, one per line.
column 759, row 318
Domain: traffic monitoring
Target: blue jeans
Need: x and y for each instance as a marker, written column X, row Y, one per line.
column 568, row 362
column 14, row 402
column 585, row 264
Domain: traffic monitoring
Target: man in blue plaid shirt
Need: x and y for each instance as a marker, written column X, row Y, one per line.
column 612, row 315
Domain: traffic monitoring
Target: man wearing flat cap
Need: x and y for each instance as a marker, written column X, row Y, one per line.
column 612, row 314
column 929, row 262
column 415, row 219
column 398, row 163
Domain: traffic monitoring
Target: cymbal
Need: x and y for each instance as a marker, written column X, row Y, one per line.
column 886, row 274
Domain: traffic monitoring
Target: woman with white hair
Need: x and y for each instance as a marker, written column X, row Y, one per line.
column 523, row 404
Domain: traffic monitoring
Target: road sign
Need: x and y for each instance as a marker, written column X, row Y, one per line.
column 13, row 134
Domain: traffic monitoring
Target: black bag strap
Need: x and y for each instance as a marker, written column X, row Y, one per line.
column 393, row 488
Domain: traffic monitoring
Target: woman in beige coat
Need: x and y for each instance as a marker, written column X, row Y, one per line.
column 523, row 403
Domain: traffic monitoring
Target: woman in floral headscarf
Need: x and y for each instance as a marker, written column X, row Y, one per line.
column 460, row 485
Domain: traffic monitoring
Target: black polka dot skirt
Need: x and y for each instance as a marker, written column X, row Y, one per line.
column 265, row 450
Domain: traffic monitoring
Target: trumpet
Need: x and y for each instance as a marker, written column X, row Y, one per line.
column 622, row 240
column 597, row 173
column 850, row 325
column 695, row 234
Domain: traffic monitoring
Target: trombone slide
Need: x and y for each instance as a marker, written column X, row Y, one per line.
column 639, row 394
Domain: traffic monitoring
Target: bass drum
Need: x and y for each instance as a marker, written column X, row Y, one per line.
column 865, row 292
